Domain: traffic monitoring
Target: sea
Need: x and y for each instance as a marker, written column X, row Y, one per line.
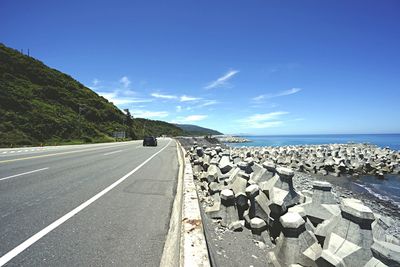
column 383, row 140
column 387, row 190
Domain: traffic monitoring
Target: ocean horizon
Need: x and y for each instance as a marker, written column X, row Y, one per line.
column 382, row 140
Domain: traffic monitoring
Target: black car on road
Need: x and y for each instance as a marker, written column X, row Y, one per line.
column 150, row 141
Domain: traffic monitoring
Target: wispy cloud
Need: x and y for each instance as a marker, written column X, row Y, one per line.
column 182, row 98
column 190, row 119
column 223, row 80
column 207, row 103
column 163, row 96
column 185, row 98
column 118, row 99
column 95, row 82
column 178, row 108
column 265, row 120
column 195, row 118
column 282, row 93
column 201, row 104
column 266, row 116
column 149, row 114
column 125, row 81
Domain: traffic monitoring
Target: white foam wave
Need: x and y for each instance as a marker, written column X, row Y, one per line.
column 379, row 196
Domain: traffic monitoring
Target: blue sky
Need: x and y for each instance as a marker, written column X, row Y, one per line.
column 259, row 67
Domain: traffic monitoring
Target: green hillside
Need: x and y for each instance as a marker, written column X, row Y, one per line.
column 194, row 130
column 40, row 105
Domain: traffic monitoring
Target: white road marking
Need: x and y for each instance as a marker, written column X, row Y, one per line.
column 33, row 239
column 64, row 153
column 16, row 175
column 113, row 152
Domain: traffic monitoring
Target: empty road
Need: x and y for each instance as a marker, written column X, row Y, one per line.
column 86, row 205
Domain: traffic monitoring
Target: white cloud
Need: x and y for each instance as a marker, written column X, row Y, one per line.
column 186, row 98
column 265, row 120
column 178, row 108
column 289, row 92
column 282, row 93
column 266, row 116
column 195, row 118
column 117, row 99
column 158, row 95
column 149, row 114
column 125, row 81
column 190, row 118
column 222, row 81
column 127, row 92
column 258, row 98
column 201, row 104
column 207, row 103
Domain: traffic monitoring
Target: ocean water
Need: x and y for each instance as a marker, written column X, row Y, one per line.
column 387, row 190
column 382, row 140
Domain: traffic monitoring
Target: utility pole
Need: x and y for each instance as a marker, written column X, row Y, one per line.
column 127, row 116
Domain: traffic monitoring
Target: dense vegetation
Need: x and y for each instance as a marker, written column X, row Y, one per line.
column 197, row 130
column 40, row 105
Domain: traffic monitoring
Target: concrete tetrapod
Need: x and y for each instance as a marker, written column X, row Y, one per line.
column 282, row 194
column 322, row 207
column 228, row 209
column 349, row 243
column 281, row 197
column 259, row 204
column 295, row 244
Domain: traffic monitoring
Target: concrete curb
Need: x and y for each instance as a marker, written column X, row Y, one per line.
column 193, row 242
column 185, row 244
column 171, row 252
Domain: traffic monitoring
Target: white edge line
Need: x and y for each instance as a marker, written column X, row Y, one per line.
column 63, row 152
column 33, row 239
column 113, row 152
column 16, row 175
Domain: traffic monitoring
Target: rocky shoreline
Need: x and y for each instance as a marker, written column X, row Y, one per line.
column 275, row 193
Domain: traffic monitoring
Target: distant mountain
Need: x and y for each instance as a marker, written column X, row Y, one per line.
column 197, row 130
column 40, row 105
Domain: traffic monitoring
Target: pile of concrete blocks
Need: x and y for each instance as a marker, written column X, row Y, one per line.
column 334, row 159
column 309, row 228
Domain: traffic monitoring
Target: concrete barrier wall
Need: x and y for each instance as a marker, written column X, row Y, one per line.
column 185, row 244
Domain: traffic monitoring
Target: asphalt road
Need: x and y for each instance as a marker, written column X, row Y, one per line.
column 88, row 205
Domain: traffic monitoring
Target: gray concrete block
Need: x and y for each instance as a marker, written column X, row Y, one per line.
column 386, row 252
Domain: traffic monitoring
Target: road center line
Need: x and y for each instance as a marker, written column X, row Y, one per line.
column 113, row 152
column 16, row 175
column 33, row 239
